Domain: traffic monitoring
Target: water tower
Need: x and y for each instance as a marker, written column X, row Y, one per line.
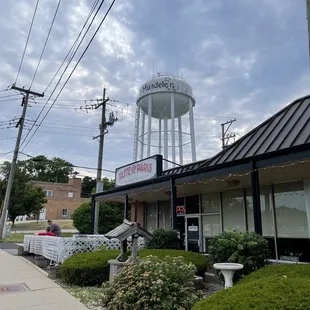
column 165, row 101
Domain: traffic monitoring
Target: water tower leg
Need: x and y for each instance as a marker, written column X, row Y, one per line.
column 192, row 130
column 149, row 124
column 165, row 142
column 136, row 138
column 159, row 136
column 180, row 140
column 172, row 128
column 142, row 135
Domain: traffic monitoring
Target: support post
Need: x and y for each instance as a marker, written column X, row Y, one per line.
column 192, row 129
column 142, row 135
column 172, row 128
column 92, row 215
column 126, row 207
column 256, row 200
column 20, row 126
column 159, row 137
column 173, row 198
column 180, row 140
column 165, row 142
column 136, row 137
column 149, row 124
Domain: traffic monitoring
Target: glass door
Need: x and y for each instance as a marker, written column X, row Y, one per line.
column 192, row 232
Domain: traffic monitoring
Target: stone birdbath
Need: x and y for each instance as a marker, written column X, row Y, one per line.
column 228, row 270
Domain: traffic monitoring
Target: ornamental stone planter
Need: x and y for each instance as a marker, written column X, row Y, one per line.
column 198, row 282
column 41, row 261
column 53, row 272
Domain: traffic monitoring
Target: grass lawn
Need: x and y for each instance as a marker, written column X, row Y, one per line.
column 33, row 225
column 19, row 237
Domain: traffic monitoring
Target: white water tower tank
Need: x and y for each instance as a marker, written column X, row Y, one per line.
column 164, row 99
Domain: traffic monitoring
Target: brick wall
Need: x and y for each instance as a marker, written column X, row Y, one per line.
column 64, row 197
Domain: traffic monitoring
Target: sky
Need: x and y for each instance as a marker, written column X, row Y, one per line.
column 244, row 59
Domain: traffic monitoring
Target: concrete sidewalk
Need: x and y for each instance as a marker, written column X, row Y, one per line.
column 43, row 293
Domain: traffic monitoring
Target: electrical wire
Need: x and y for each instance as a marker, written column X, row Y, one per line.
column 85, row 50
column 7, row 96
column 47, row 38
column 73, row 45
column 29, row 32
column 68, row 63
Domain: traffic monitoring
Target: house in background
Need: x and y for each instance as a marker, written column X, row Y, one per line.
column 62, row 199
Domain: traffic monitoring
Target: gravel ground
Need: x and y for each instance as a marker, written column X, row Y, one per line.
column 91, row 296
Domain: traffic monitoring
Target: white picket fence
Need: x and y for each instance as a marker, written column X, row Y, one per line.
column 59, row 249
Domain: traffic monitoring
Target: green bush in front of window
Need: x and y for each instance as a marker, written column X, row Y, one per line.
column 232, row 246
column 200, row 261
column 164, row 239
column 152, row 283
column 272, row 287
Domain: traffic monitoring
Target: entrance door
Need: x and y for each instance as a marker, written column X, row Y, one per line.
column 192, row 234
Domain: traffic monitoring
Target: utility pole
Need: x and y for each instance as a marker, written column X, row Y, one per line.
column 19, row 124
column 103, row 131
column 225, row 138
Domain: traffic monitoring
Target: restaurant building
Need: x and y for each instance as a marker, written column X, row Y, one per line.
column 260, row 183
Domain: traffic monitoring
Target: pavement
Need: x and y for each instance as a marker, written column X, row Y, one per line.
column 24, row 286
column 25, row 231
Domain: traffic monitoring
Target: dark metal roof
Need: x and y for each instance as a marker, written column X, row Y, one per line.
column 288, row 128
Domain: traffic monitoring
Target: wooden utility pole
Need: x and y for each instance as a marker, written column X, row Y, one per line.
column 19, row 124
column 225, row 138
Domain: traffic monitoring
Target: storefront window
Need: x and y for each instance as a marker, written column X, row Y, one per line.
column 233, row 210
column 211, row 225
column 266, row 211
column 192, row 204
column 210, row 203
column 290, row 209
column 151, row 217
column 164, row 218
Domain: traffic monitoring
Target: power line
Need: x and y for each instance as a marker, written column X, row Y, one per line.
column 14, row 95
column 47, row 38
column 92, row 38
column 61, row 78
column 29, row 32
column 73, row 45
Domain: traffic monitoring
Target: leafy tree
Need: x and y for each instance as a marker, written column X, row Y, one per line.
column 88, row 185
column 110, row 215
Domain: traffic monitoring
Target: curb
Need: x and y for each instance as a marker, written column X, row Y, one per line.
column 33, row 266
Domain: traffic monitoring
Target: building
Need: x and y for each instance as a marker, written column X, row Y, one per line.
column 62, row 199
column 260, row 183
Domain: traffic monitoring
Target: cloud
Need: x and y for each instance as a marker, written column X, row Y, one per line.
column 244, row 59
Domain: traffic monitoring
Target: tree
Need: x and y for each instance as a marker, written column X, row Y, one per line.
column 88, row 185
column 25, row 198
column 110, row 216
column 40, row 168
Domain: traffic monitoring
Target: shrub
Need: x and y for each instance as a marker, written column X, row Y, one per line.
column 164, row 239
column 288, row 271
column 249, row 249
column 200, row 261
column 273, row 292
column 110, row 216
column 88, row 269
column 152, row 284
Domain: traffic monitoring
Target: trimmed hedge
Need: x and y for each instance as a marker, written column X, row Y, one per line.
column 273, row 287
column 289, row 271
column 200, row 261
column 88, row 269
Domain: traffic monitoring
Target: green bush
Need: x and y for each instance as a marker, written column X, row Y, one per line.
column 288, row 271
column 88, row 269
column 200, row 261
column 164, row 239
column 249, row 249
column 274, row 293
column 152, row 284
column 110, row 215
